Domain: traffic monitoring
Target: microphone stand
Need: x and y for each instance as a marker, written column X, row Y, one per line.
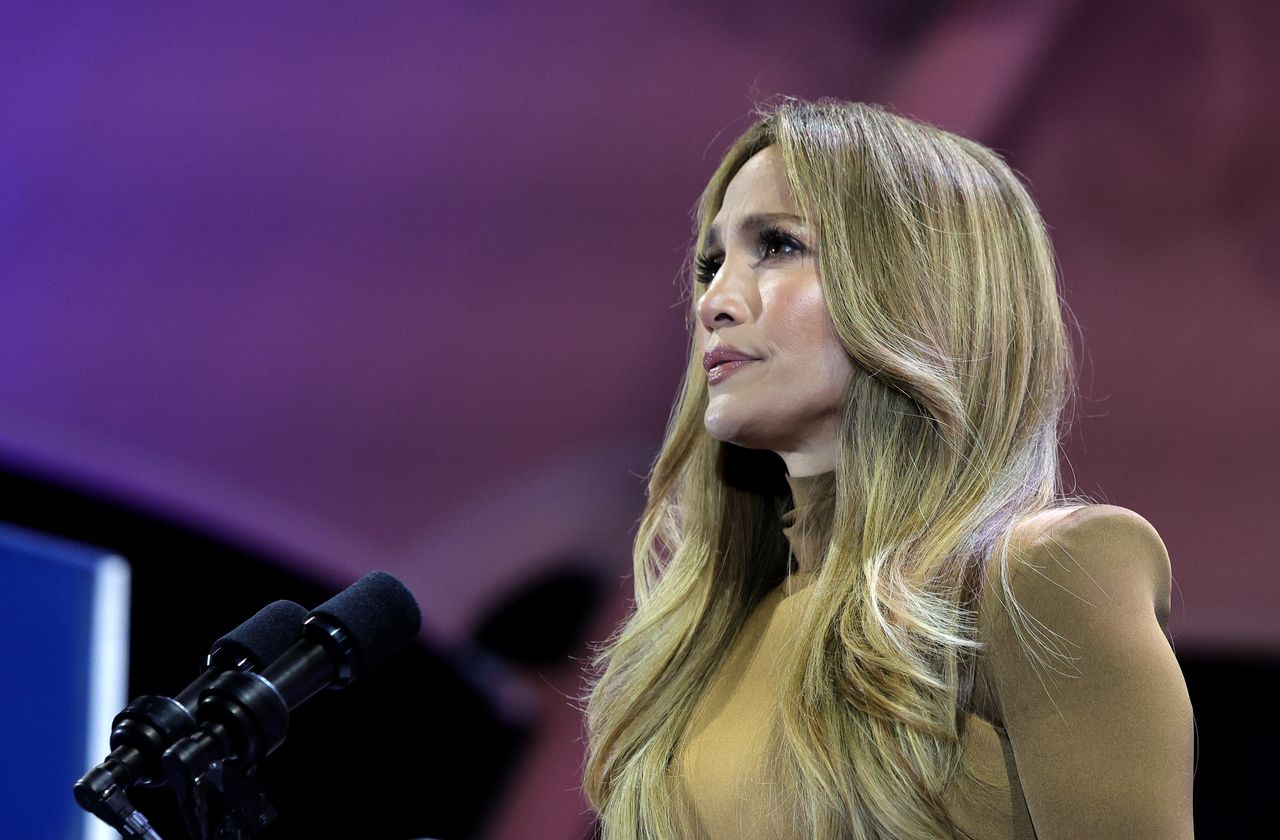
column 136, row 825
column 143, row 731
column 117, row 811
column 237, row 809
column 243, row 716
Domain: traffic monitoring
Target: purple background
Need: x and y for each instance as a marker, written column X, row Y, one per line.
column 397, row 285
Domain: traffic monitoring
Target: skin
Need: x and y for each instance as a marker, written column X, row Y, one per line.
column 1104, row 748
column 764, row 299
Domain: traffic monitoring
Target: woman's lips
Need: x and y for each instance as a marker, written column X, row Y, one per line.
column 723, row 360
column 718, row 373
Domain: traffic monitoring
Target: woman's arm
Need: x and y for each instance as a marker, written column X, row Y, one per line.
column 1103, row 741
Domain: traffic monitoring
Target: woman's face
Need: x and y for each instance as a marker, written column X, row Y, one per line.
column 761, row 304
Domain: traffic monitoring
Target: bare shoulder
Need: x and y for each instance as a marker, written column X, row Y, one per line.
column 1107, row 555
column 1075, row 585
column 1073, row 572
column 1084, row 679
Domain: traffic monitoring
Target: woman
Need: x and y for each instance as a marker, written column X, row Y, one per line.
column 863, row 607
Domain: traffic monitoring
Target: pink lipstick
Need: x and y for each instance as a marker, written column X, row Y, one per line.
column 722, row 361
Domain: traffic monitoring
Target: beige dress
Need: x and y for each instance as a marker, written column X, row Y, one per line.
column 721, row 765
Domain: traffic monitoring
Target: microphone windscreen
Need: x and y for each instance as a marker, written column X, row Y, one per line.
column 263, row 638
column 380, row 614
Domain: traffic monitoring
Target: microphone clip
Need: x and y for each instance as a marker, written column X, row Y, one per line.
column 223, row 801
column 243, row 719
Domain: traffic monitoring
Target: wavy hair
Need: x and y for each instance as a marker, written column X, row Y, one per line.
column 940, row 282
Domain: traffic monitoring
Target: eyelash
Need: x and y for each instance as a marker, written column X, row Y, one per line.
column 772, row 241
column 706, row 268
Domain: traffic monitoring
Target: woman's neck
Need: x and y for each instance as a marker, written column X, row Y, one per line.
column 807, row 526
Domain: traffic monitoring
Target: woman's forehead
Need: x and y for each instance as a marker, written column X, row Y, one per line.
column 759, row 188
column 763, row 178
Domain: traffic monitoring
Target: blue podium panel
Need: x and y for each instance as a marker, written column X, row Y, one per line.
column 64, row 643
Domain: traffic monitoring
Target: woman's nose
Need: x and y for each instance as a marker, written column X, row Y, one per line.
column 725, row 302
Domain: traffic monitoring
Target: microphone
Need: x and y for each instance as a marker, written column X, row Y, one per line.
column 151, row 724
column 243, row 716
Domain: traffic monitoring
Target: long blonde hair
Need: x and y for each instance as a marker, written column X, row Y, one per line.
column 940, row 283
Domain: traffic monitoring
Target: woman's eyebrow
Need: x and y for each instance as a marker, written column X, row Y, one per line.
column 754, row 222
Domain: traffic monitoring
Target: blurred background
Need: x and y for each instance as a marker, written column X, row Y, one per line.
column 290, row 292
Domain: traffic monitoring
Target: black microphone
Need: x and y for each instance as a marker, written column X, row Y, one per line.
column 243, row 716
column 151, row 724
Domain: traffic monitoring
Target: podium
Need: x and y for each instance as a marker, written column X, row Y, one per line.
column 64, row 642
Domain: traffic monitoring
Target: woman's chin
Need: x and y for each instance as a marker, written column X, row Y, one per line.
column 732, row 427
column 721, row 422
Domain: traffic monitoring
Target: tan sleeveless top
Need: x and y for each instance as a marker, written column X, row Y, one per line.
column 721, row 761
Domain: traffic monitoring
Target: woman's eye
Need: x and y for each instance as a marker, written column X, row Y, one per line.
column 774, row 242
column 707, row 266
